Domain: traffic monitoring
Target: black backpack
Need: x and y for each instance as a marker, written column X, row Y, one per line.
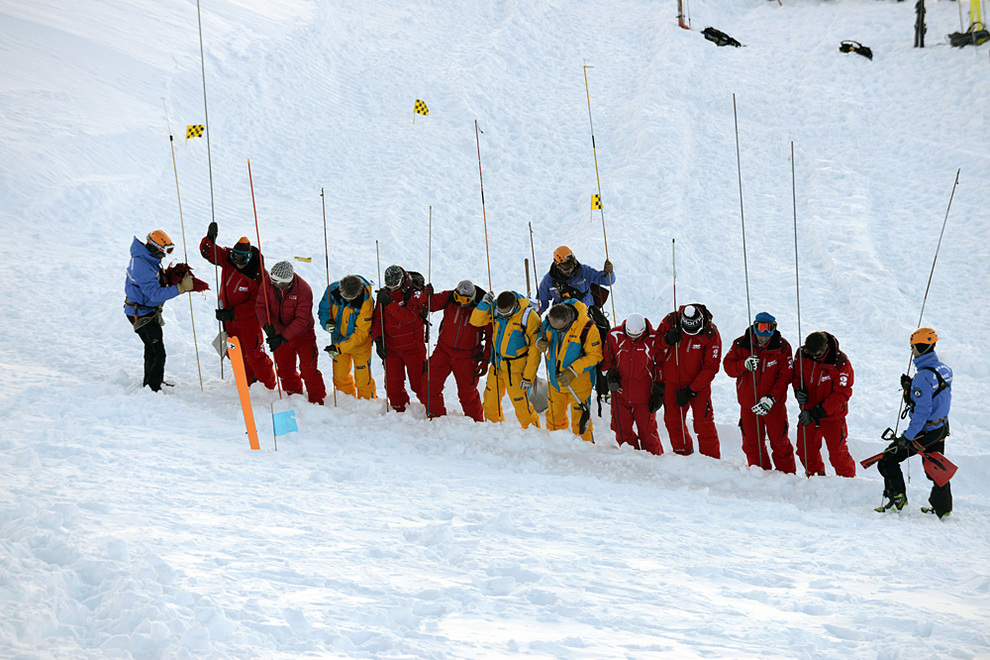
column 719, row 38
column 976, row 35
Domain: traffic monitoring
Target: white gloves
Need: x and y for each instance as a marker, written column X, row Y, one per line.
column 751, row 363
column 763, row 406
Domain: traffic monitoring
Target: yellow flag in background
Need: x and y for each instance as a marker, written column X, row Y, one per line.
column 420, row 108
column 196, row 130
column 596, row 202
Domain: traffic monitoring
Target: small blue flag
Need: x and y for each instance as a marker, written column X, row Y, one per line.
column 284, row 422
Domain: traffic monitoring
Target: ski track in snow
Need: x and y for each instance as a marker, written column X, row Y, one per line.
column 140, row 525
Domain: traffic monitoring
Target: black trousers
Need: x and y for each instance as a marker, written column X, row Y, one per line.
column 150, row 332
column 893, row 479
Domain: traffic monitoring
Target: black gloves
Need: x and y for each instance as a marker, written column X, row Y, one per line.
column 332, row 351
column 225, row 315
column 656, row 397
column 906, row 382
column 480, row 369
column 684, row 395
column 808, row 417
column 383, row 298
column 275, row 341
column 672, row 336
column 613, row 380
column 902, row 443
column 269, row 329
column 801, row 395
column 212, row 231
column 380, row 348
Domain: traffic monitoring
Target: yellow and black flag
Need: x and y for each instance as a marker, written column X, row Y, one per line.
column 195, row 130
column 596, row 202
column 420, row 108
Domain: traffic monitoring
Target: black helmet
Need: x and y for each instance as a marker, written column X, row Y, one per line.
column 394, row 277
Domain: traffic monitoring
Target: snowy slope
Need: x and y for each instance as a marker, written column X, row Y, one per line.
column 140, row 525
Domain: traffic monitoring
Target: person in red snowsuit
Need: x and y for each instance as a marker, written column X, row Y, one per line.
column 401, row 340
column 631, row 361
column 285, row 307
column 240, row 278
column 764, row 356
column 690, row 363
column 462, row 349
column 823, row 381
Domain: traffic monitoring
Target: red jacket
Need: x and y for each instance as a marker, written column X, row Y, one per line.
column 456, row 332
column 694, row 361
column 291, row 309
column 637, row 360
column 238, row 287
column 829, row 381
column 773, row 374
column 405, row 327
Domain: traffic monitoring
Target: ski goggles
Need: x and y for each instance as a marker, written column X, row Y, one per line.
column 568, row 264
column 239, row 257
column 764, row 329
column 462, row 299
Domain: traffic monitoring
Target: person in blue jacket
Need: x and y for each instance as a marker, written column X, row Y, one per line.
column 567, row 278
column 928, row 396
column 145, row 292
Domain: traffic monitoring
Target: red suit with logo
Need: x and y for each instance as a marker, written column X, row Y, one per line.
column 291, row 314
column 239, row 292
column 637, row 363
column 692, row 362
column 462, row 349
column 405, row 343
column 829, row 382
column 773, row 375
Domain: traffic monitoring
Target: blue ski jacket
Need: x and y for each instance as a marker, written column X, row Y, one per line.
column 931, row 406
column 578, row 285
column 143, row 290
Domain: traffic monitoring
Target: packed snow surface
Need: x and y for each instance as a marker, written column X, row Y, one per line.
column 135, row 524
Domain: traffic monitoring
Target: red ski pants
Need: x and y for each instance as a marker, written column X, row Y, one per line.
column 809, row 448
column 442, row 363
column 303, row 349
column 411, row 361
column 756, row 431
column 675, row 419
column 624, row 414
column 257, row 364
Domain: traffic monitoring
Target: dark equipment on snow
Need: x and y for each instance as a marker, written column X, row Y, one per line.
column 719, row 38
column 856, row 47
column 938, row 468
column 919, row 24
column 976, row 35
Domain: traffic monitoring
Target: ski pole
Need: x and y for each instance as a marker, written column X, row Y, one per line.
column 601, row 206
column 928, row 286
column 185, row 255
column 529, row 289
column 326, row 257
column 264, row 280
column 749, row 311
column 381, row 284
column 484, row 217
column 797, row 290
column 209, row 165
column 429, row 303
column 677, row 346
column 532, row 251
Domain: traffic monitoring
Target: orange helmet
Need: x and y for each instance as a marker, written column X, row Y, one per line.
column 563, row 254
column 924, row 336
column 161, row 242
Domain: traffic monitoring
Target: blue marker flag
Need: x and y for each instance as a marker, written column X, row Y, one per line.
column 284, row 422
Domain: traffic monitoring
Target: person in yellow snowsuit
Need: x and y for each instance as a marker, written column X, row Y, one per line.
column 515, row 322
column 573, row 347
column 346, row 312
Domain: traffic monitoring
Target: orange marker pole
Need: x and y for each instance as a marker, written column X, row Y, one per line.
column 237, row 363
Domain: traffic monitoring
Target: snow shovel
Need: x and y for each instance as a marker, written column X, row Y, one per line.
column 220, row 343
column 585, row 412
column 539, row 395
column 938, row 468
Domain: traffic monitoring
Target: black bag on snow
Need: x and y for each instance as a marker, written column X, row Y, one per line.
column 856, row 47
column 719, row 38
column 977, row 35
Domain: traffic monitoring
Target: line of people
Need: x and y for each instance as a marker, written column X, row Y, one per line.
column 507, row 338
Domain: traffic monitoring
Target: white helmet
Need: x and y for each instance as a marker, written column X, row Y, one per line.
column 635, row 325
